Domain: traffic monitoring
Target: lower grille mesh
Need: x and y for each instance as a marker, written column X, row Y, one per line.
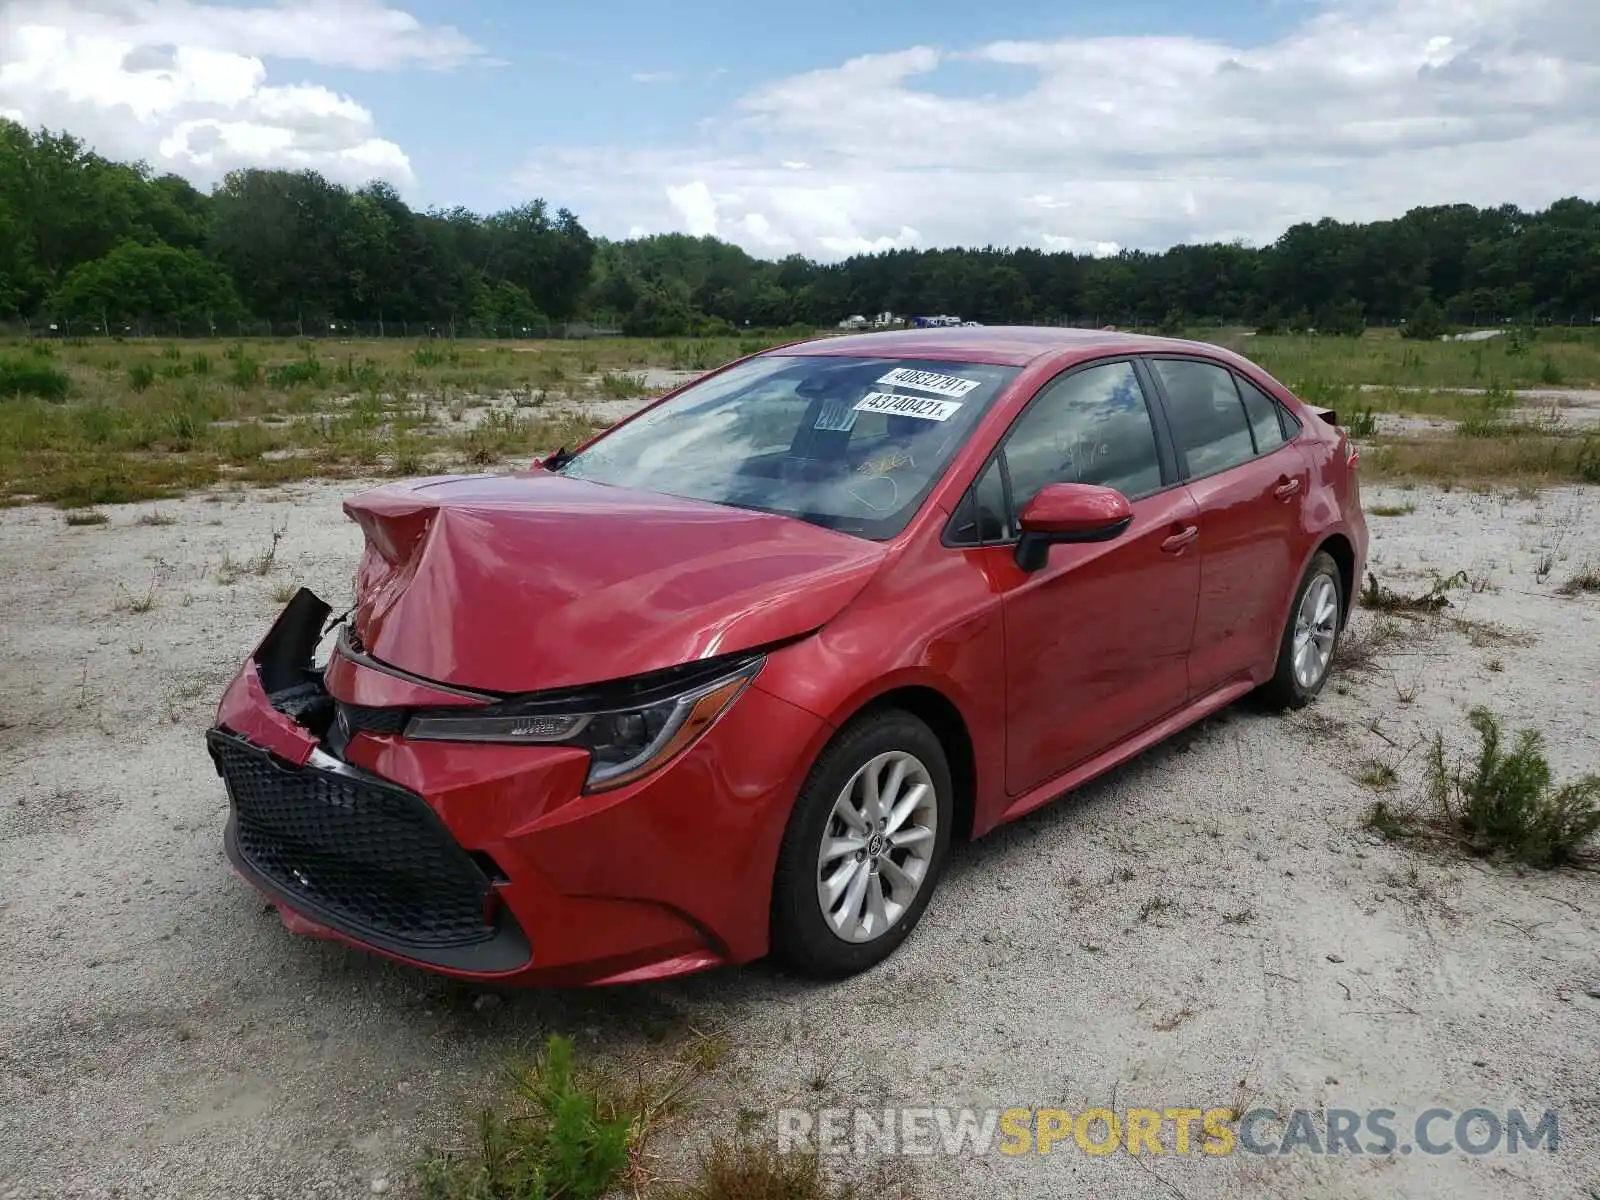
column 362, row 854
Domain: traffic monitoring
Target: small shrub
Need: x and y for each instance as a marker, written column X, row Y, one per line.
column 98, row 423
column 1505, row 801
column 1383, row 819
column 200, row 365
column 1376, row 775
column 1586, row 580
column 1498, row 397
column 1391, row 510
column 87, row 516
column 245, row 372
column 141, row 376
column 307, row 370
column 1587, row 464
column 32, row 377
column 431, row 356
column 1519, row 339
column 1549, row 371
column 745, row 1170
column 620, row 386
column 564, row 1139
column 1426, row 323
column 1363, row 424
column 366, row 374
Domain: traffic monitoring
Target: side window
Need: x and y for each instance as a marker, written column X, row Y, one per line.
column 989, row 501
column 1263, row 413
column 1093, row 426
column 1208, row 418
column 981, row 516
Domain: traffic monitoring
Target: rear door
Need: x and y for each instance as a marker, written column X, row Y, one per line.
column 1248, row 483
column 1096, row 640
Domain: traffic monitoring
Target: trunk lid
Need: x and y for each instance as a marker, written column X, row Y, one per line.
column 522, row 583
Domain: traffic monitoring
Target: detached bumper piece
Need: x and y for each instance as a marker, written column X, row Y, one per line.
column 364, row 857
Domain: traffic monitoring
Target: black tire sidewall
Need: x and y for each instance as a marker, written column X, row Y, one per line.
column 800, row 935
column 1285, row 682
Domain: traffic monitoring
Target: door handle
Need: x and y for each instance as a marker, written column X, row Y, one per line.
column 1286, row 488
column 1182, row 536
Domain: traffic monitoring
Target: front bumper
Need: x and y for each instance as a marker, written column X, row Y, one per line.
column 486, row 861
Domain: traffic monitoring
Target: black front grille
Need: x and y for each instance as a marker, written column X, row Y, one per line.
column 358, row 718
column 356, row 852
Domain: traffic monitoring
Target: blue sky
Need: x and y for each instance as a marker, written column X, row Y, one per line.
column 637, row 72
column 834, row 128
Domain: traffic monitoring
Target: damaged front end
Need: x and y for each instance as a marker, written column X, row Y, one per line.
column 340, row 850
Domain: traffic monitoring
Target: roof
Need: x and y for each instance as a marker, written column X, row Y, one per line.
column 1002, row 345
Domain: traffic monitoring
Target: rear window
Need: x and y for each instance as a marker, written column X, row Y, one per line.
column 1265, row 423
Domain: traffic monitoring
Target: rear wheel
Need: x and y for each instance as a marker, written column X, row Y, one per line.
column 864, row 848
column 1310, row 637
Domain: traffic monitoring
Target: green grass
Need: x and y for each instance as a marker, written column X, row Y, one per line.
column 1515, row 457
column 567, row 1130
column 122, row 422
column 561, row 1136
column 93, row 421
column 1376, row 775
column 1381, row 357
column 29, row 375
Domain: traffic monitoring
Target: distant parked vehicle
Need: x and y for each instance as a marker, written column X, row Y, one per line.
column 733, row 677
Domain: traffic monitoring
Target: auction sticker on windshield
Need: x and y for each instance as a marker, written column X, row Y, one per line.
column 928, row 381
column 908, row 406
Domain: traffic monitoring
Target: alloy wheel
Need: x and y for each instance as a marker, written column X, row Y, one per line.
column 877, row 846
column 1316, row 625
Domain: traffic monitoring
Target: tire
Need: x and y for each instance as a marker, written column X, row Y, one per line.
column 814, row 865
column 1291, row 688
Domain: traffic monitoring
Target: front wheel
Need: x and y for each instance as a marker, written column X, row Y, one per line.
column 864, row 848
column 1305, row 652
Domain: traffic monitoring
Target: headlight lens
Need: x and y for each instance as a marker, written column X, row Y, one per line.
column 623, row 743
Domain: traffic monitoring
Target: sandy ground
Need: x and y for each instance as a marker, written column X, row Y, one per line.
column 1574, row 410
column 162, row 1035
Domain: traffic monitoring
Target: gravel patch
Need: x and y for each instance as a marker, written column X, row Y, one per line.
column 161, row 1035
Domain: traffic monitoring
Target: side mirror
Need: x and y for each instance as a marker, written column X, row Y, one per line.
column 1069, row 512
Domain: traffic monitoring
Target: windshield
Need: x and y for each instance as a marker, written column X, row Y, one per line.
column 852, row 444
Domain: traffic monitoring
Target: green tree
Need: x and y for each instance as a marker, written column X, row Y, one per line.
column 137, row 282
column 1426, row 322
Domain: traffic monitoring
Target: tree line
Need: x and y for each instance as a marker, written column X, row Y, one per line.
column 103, row 244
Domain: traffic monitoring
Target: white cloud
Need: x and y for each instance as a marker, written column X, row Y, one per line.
column 654, row 77
column 185, row 85
column 1367, row 108
column 696, row 207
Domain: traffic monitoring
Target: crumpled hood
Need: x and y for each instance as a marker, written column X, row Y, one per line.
column 521, row 583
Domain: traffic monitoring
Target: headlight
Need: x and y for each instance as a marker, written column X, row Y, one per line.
column 623, row 742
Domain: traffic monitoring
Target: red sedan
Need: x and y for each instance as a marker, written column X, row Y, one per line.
column 732, row 677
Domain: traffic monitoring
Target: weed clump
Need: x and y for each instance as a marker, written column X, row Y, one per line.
column 561, row 1138
column 31, row 376
column 1504, row 802
column 1384, row 599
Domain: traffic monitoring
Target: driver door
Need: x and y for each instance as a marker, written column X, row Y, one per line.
column 1097, row 641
